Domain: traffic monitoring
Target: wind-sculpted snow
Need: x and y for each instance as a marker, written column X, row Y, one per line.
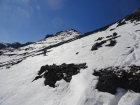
column 120, row 47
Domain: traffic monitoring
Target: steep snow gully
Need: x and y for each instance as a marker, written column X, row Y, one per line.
column 101, row 67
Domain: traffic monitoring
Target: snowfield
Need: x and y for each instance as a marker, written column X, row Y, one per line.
column 17, row 88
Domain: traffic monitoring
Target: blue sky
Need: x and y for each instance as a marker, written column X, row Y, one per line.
column 31, row 20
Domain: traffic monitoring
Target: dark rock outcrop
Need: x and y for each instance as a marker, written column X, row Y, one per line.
column 107, row 83
column 28, row 43
column 111, row 40
column 109, row 36
column 1, row 52
column 95, row 47
column 112, row 78
column 54, row 73
column 114, row 34
column 137, row 30
column 77, row 53
column 2, row 46
column 48, row 36
column 112, row 29
column 134, row 16
column 15, row 45
column 112, row 43
column 120, row 23
column 100, row 38
column 37, row 77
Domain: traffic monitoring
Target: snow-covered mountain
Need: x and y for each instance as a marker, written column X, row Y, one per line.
column 101, row 67
column 11, row 55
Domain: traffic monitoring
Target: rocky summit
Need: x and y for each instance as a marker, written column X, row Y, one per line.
column 100, row 67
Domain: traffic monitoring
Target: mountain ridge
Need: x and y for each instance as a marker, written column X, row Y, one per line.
column 133, row 16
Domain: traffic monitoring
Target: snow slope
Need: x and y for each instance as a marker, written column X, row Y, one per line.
column 17, row 88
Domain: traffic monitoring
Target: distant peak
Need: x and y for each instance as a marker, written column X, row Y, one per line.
column 16, row 43
column 64, row 32
column 69, row 30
